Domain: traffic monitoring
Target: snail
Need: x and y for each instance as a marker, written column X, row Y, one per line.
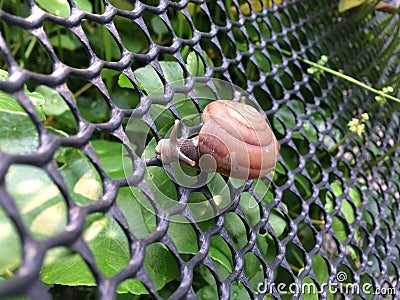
column 235, row 140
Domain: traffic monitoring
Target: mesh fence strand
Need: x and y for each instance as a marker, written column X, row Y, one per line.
column 70, row 216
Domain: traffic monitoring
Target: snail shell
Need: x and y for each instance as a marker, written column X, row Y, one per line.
column 235, row 141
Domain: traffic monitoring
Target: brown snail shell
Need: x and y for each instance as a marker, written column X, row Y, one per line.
column 235, row 141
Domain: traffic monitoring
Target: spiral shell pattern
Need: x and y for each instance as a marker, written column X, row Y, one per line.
column 239, row 139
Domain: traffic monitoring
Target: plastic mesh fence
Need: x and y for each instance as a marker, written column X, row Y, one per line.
column 329, row 221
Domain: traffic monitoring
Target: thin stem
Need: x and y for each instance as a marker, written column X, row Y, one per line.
column 350, row 79
column 82, row 89
column 341, row 141
column 343, row 76
column 387, row 154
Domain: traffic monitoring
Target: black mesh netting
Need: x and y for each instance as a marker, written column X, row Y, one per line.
column 82, row 218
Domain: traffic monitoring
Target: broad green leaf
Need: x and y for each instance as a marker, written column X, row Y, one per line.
column 207, row 292
column 195, row 64
column 110, row 248
column 10, row 246
column 94, row 110
column 263, row 191
column 303, row 186
column 160, row 264
column 320, row 268
column 38, row 101
column 64, row 41
column 339, row 228
column 290, row 157
column 236, row 230
column 134, row 205
column 263, row 63
column 253, row 268
column 151, row 82
column 310, row 131
column 61, row 7
column 11, row 105
column 289, row 119
column 337, row 189
column 158, row 25
column 54, row 104
column 309, row 289
column 135, row 43
column 250, row 208
column 41, row 205
column 348, row 211
column 220, row 191
column 355, row 196
column 277, row 221
column 80, row 176
column 108, row 244
column 183, row 235
column 221, row 255
column 18, row 134
column 110, row 155
column 38, row 199
column 68, row 269
column 238, row 291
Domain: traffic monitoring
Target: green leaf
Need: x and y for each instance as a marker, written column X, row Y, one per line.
column 64, row 41
column 250, row 208
column 56, row 7
column 10, row 244
column 253, row 267
column 41, row 205
column 309, row 289
column 303, row 186
column 337, row 189
column 103, row 233
column 158, row 26
column 339, row 228
column 151, row 82
column 110, row 155
column 355, row 196
column 160, row 264
column 195, row 64
column 348, row 211
column 277, row 221
column 10, row 104
column 80, row 176
column 18, row 134
column 320, row 268
column 38, row 101
column 236, row 230
column 124, row 82
column 134, row 205
column 183, row 235
column 263, row 63
column 38, row 199
column 108, row 243
column 310, row 131
column 61, row 7
column 54, row 104
column 221, row 255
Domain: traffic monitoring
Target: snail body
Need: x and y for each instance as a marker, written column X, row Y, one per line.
column 235, row 140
